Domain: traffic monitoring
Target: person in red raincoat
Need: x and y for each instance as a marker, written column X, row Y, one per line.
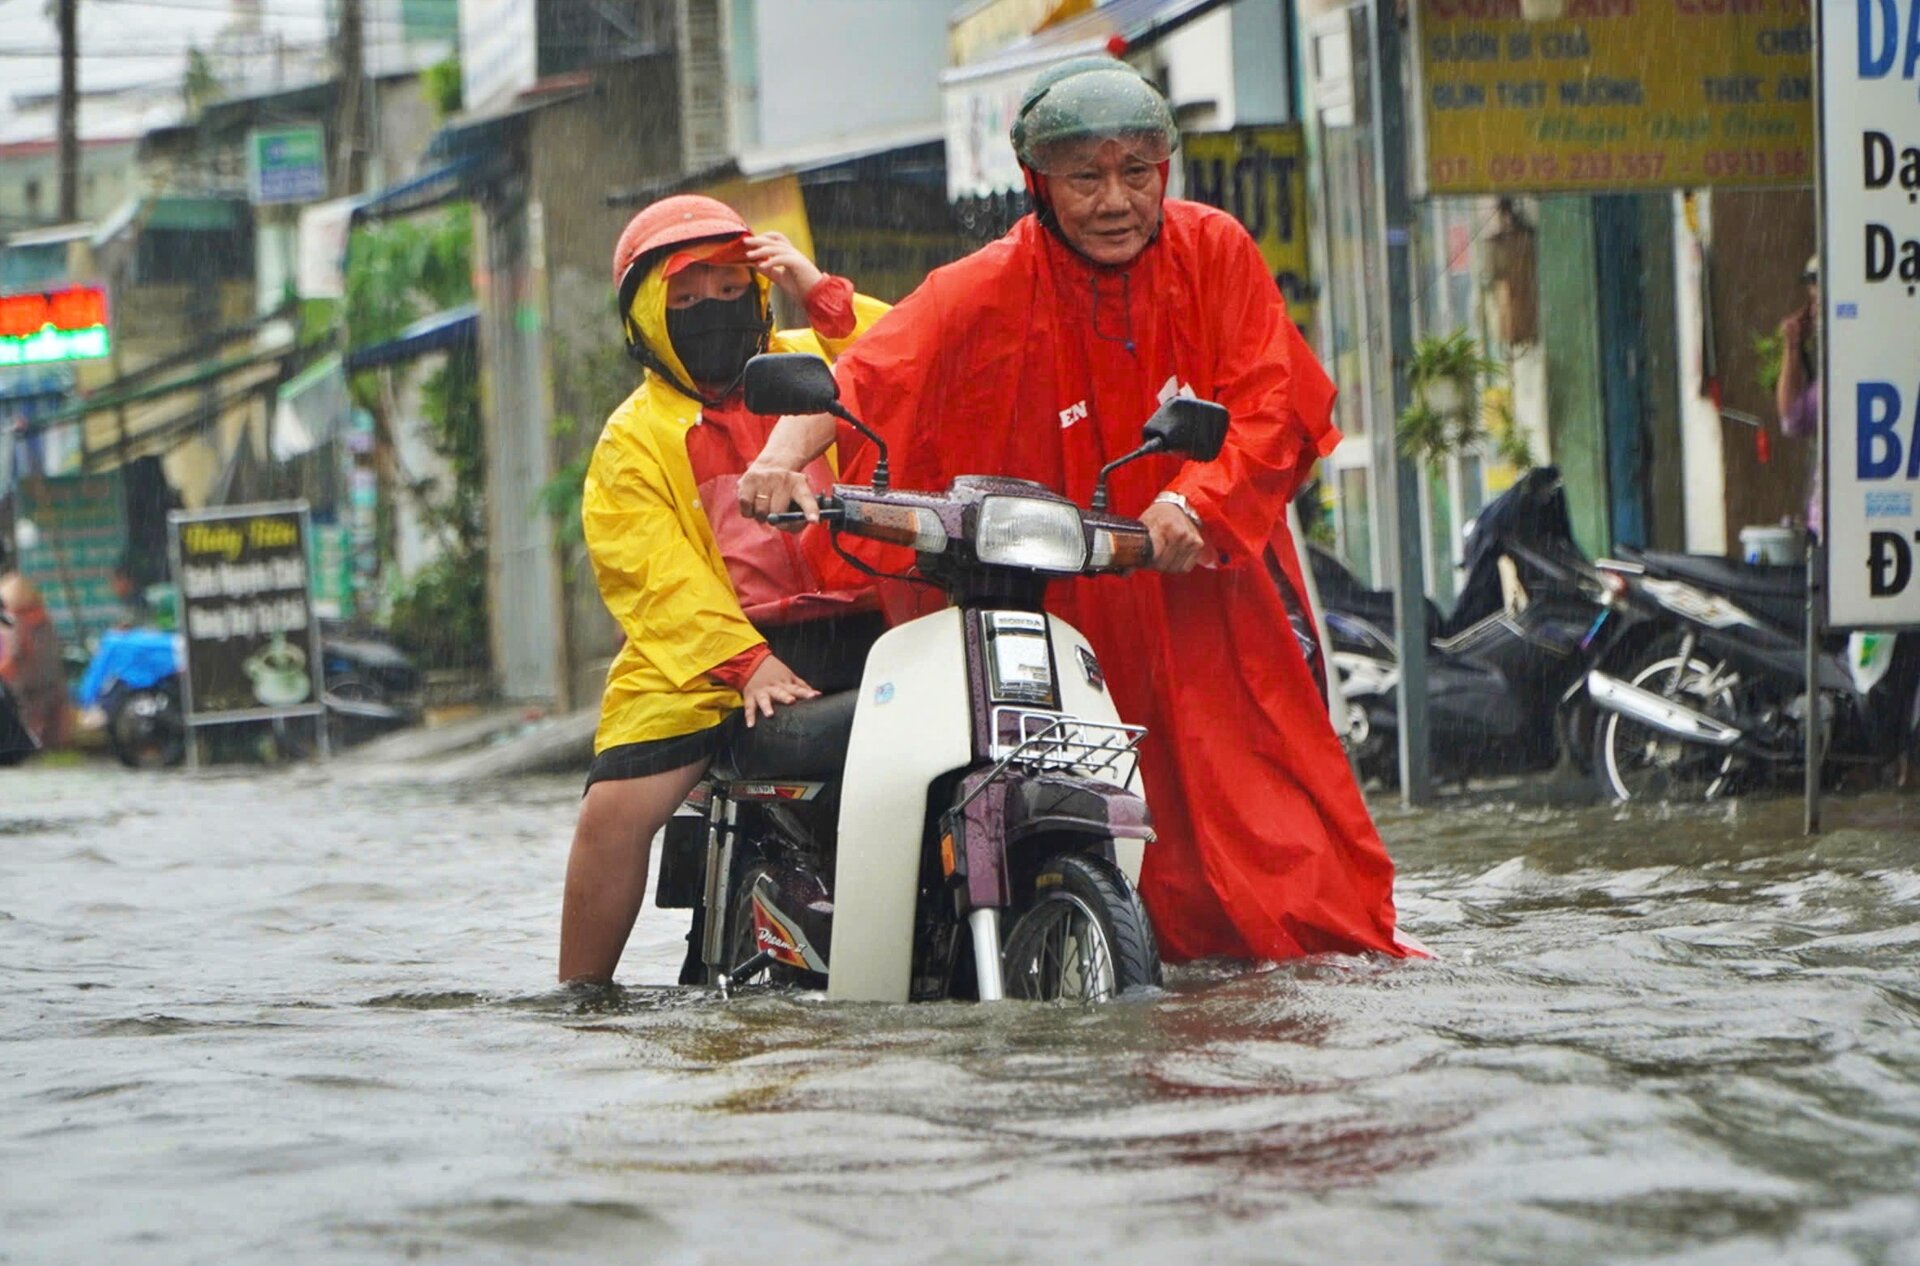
column 1039, row 357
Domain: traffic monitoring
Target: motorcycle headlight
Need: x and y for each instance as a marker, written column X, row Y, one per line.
column 1029, row 532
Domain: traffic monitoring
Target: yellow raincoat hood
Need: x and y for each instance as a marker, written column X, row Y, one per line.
column 654, row 553
column 648, row 312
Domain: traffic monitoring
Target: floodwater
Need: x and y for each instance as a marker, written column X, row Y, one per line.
column 303, row 1018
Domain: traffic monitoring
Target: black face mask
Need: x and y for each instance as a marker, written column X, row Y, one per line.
column 715, row 338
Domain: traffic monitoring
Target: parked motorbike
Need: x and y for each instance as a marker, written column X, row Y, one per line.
column 1498, row 664
column 371, row 687
column 16, row 740
column 966, row 822
column 1700, row 687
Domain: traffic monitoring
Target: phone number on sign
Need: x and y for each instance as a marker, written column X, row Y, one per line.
column 1756, row 163
column 1577, row 168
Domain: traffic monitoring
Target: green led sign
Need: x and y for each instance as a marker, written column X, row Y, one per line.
column 54, row 325
column 51, row 345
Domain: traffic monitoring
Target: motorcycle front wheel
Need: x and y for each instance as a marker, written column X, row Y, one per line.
column 1085, row 938
column 1632, row 761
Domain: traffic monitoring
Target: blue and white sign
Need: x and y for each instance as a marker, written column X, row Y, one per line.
column 1870, row 300
column 286, row 164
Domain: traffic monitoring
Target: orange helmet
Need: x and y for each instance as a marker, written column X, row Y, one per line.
column 675, row 221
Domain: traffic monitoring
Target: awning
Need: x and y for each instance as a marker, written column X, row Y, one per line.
column 195, row 214
column 472, row 132
column 429, row 334
column 981, row 98
column 423, row 192
column 835, row 151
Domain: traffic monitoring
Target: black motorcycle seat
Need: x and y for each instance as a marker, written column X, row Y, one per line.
column 803, row 740
column 1777, row 591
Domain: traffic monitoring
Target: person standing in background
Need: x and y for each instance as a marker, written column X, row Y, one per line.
column 1797, row 393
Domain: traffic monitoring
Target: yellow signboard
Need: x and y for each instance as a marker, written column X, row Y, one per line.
column 1259, row 176
column 1615, row 95
column 772, row 204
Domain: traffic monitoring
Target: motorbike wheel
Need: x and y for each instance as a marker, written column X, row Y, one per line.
column 1085, row 938
column 1632, row 761
column 145, row 730
column 743, row 945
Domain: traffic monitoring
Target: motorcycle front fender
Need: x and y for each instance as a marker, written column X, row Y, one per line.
column 913, row 724
column 996, row 815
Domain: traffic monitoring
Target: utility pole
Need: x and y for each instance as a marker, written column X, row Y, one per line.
column 349, row 155
column 69, row 112
column 1399, row 475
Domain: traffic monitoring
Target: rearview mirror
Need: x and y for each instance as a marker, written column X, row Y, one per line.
column 1196, row 428
column 790, row 382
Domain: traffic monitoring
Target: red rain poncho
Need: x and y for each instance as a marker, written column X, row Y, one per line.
column 1025, row 360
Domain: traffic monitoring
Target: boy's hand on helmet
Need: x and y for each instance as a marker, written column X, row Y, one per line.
column 771, row 684
column 767, row 489
column 783, row 264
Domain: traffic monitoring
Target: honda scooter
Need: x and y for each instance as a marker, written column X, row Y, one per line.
column 967, row 823
column 1702, row 691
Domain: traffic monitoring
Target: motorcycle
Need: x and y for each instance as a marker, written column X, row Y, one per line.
column 1498, row 665
column 966, row 823
column 1700, row 690
column 371, row 687
column 16, row 740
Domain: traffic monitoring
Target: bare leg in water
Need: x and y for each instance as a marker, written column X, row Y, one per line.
column 607, row 869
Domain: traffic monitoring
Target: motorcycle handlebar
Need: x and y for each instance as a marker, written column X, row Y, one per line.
column 830, row 511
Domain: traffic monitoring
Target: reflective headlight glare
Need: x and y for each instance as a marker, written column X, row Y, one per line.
column 1101, row 555
column 900, row 525
column 1029, row 532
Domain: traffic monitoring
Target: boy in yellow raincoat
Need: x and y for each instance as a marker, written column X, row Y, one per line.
column 697, row 587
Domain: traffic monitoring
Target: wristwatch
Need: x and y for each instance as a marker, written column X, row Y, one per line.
column 1172, row 498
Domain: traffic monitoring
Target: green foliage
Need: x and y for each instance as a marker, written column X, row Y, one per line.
column 450, row 406
column 1432, row 428
column 1770, row 354
column 1510, row 442
column 201, row 87
column 401, row 270
column 441, row 614
column 441, row 82
column 603, row 374
column 398, row 272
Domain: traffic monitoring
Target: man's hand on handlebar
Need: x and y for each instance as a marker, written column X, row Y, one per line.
column 766, row 490
column 1177, row 543
column 773, row 683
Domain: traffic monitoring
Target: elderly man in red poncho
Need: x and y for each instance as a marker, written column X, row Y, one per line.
column 1039, row 357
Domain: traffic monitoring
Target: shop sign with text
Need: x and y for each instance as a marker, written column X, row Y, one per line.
column 247, row 612
column 1615, row 95
column 286, row 164
column 1870, row 300
column 1258, row 175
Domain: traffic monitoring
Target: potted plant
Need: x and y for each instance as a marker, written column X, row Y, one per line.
column 1443, row 418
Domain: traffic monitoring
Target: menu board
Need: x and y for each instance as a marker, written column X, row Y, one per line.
column 247, row 612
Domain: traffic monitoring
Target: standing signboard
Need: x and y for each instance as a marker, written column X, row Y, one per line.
column 1614, row 95
column 253, row 647
column 286, row 164
column 1258, row 175
column 1870, row 305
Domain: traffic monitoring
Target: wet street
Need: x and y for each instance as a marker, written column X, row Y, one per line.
column 308, row 1017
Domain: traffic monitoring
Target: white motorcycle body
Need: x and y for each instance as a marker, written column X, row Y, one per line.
column 913, row 724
